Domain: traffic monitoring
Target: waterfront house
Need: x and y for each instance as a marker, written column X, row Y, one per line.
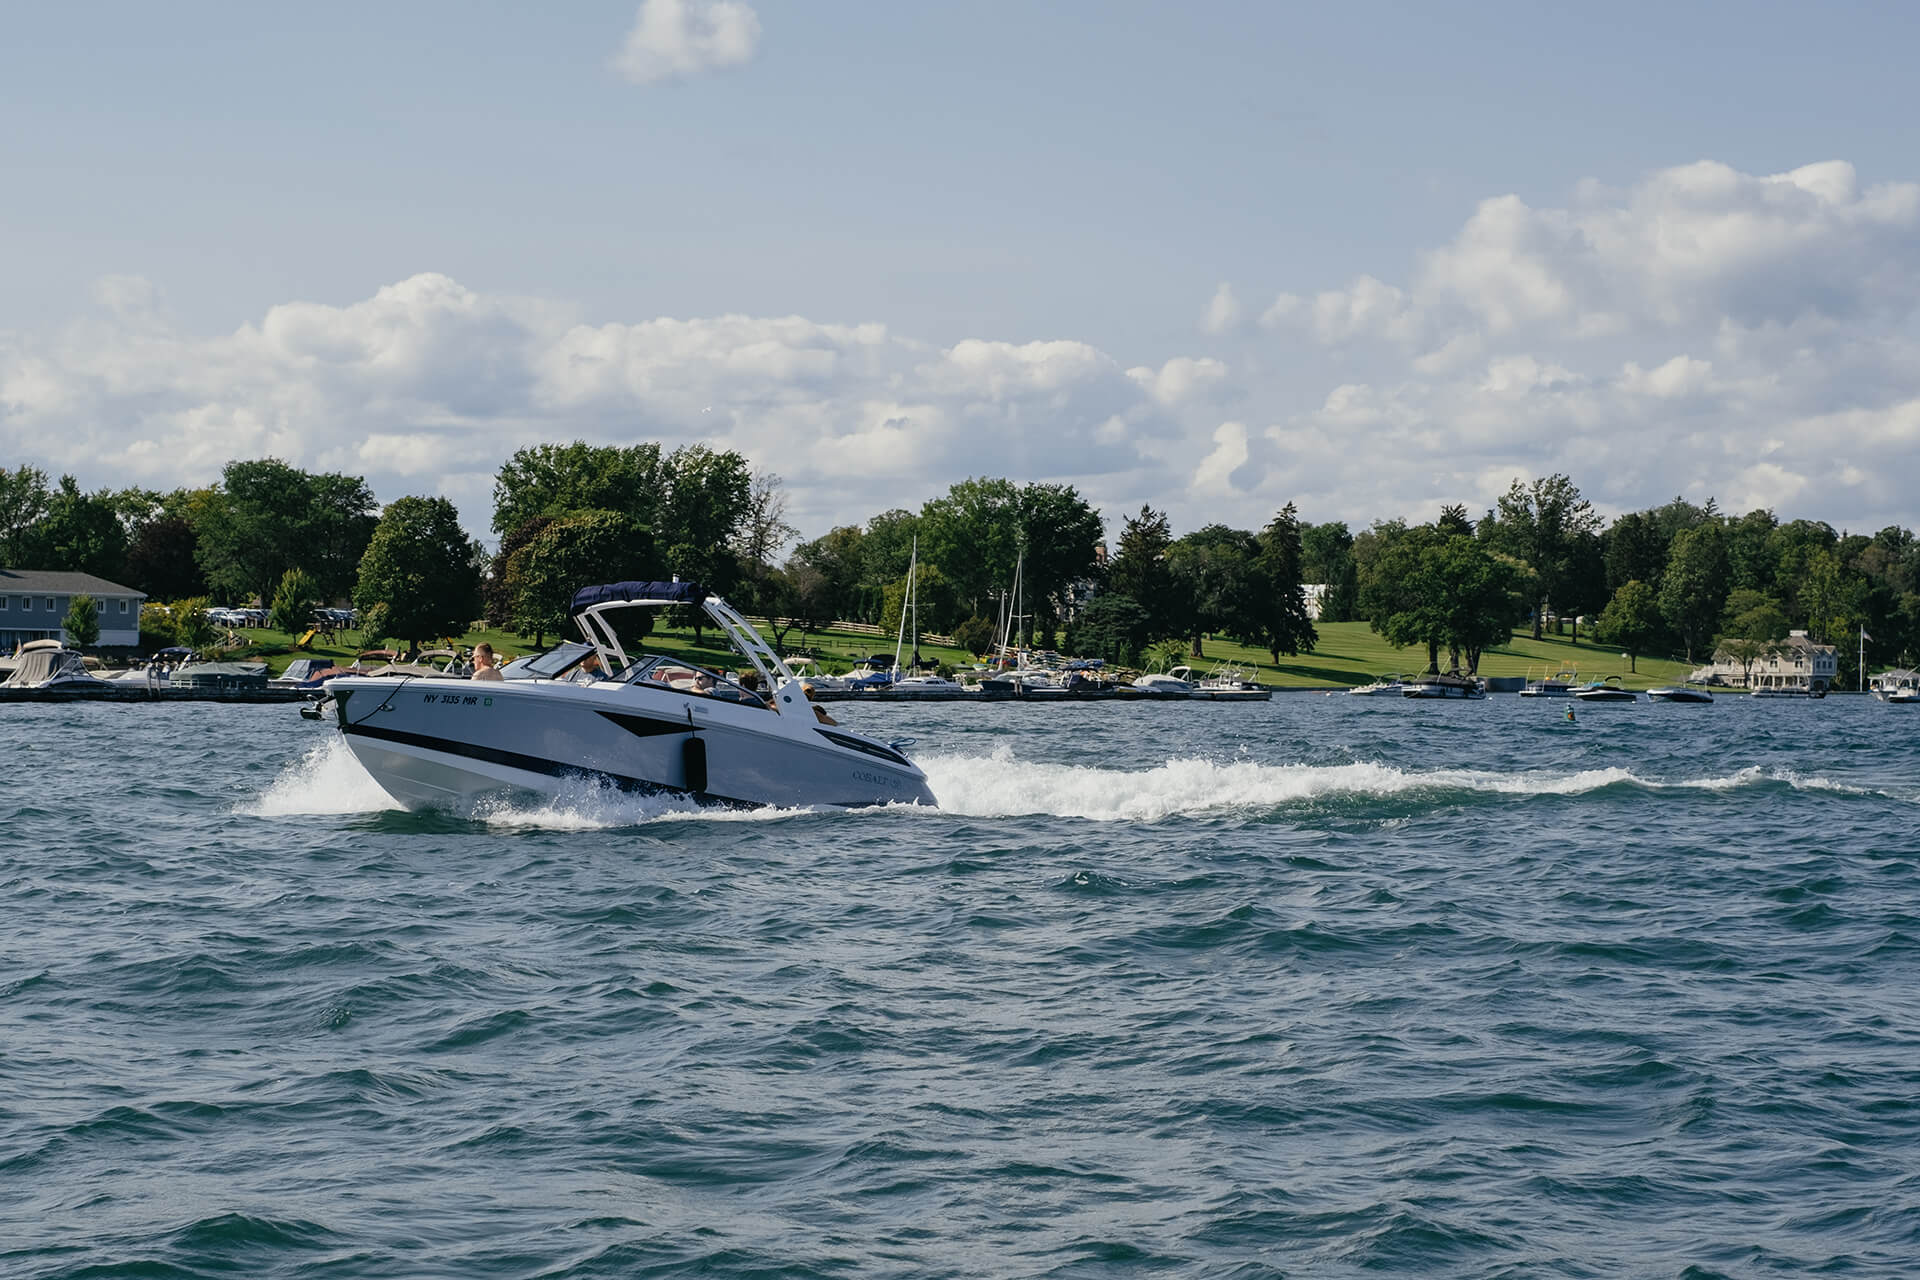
column 1796, row 664
column 34, row 602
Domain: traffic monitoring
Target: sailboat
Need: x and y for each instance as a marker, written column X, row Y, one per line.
column 914, row 682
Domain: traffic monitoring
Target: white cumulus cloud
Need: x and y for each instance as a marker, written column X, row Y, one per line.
column 675, row 39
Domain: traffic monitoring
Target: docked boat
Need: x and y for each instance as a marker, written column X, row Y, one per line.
column 644, row 723
column 220, row 675
column 1897, row 686
column 1230, row 684
column 1173, row 682
column 1607, row 690
column 1385, row 687
column 1559, row 684
column 50, row 665
column 1448, row 685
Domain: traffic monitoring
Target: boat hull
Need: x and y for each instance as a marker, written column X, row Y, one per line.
column 1679, row 695
column 453, row 743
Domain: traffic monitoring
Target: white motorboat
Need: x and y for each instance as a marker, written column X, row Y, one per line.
column 1897, row 686
column 1385, row 687
column 1447, row 686
column 1686, row 691
column 1560, row 684
column 1607, row 690
column 1173, row 681
column 1230, row 684
column 648, row 724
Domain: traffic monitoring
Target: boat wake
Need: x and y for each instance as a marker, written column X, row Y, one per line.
column 327, row 780
column 1000, row 785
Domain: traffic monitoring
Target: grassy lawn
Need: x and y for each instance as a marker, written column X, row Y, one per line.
column 1348, row 654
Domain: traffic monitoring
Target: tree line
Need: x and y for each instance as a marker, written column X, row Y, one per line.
column 1680, row 578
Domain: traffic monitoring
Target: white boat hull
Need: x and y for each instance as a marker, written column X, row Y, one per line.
column 434, row 743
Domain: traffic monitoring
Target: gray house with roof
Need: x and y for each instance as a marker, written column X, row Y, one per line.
column 33, row 604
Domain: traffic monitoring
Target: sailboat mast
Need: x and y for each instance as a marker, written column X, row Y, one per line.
column 900, row 639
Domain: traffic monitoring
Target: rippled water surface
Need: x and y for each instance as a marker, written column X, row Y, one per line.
column 1326, row 986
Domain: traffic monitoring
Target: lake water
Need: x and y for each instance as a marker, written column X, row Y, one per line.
column 1325, row 986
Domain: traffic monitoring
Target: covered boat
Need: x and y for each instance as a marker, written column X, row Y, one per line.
column 645, row 723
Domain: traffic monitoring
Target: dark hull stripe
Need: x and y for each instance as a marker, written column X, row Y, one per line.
column 534, row 764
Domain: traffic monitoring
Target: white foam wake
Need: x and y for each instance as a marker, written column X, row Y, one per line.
column 1001, row 786
column 326, row 780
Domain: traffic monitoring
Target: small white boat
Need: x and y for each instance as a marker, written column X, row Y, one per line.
column 1686, row 691
column 1230, row 684
column 1173, row 681
column 1448, row 686
column 1385, row 687
column 646, row 723
column 1607, row 690
column 1897, row 686
column 1560, row 684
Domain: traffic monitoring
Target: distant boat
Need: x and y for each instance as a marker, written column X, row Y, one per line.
column 1558, row 685
column 1897, row 686
column 1385, row 687
column 1451, row 686
column 1607, row 690
column 1175, row 680
column 1685, row 691
column 1230, row 684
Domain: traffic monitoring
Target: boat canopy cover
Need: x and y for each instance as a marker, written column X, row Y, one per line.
column 608, row 592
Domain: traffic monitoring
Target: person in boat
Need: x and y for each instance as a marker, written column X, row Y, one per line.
column 702, row 682
column 484, row 665
column 819, row 712
column 589, row 670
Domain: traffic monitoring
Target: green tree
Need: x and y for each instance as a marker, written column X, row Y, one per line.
column 421, row 565
column 1138, row 569
column 1401, row 590
column 191, row 626
column 1631, row 620
column 1059, row 539
column 1693, row 590
column 554, row 479
column 160, row 556
column 82, row 533
column 976, row 635
column 82, row 623
column 1112, row 626
column 1548, row 526
column 836, row 560
column 1753, row 615
column 570, row 552
column 266, row 517
column 1277, row 608
column 23, row 502
column 1212, row 574
column 1635, row 551
column 940, row 604
column 293, row 601
column 1326, row 552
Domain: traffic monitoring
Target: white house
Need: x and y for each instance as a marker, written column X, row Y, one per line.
column 1794, row 663
column 33, row 604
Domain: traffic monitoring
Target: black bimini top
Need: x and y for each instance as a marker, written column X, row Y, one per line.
column 607, row 592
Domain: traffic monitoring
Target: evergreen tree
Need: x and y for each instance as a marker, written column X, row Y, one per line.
column 1278, row 609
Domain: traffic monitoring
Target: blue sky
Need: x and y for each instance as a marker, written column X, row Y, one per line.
column 1370, row 258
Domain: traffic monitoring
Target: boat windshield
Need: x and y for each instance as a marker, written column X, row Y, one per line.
column 682, row 676
column 549, row 665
